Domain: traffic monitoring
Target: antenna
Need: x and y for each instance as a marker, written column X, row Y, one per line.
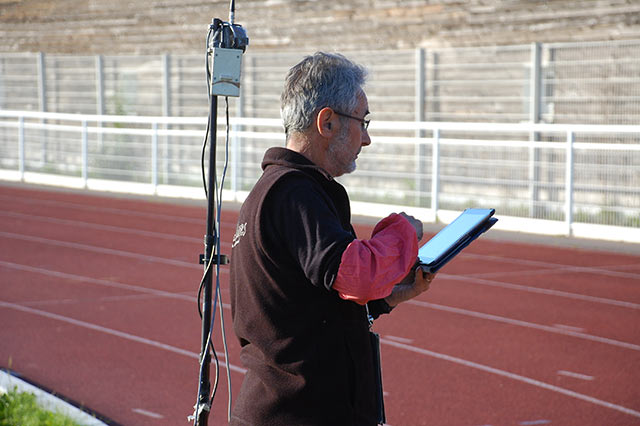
column 232, row 12
column 225, row 44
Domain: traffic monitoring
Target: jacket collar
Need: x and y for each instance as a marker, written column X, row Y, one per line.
column 285, row 157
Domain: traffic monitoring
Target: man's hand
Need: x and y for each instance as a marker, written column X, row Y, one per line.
column 414, row 284
column 417, row 225
column 423, row 280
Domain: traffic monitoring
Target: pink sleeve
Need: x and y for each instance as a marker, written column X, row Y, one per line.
column 370, row 268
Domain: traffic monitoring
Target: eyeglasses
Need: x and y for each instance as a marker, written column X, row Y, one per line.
column 363, row 122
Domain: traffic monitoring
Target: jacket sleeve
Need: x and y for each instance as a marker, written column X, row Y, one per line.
column 370, row 268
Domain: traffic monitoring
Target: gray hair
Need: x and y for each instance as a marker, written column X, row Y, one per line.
column 318, row 81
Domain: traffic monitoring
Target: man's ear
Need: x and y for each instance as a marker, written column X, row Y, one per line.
column 325, row 122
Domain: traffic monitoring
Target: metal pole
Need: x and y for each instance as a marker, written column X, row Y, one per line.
column 166, row 110
column 568, row 185
column 419, row 117
column 99, row 64
column 236, row 185
column 21, row 159
column 435, row 173
column 42, row 100
column 85, row 153
column 154, row 157
column 534, row 117
column 221, row 35
column 204, row 385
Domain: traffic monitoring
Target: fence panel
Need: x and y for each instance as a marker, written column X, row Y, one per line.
column 71, row 84
column 478, row 84
column 593, row 83
column 133, row 85
column 19, row 82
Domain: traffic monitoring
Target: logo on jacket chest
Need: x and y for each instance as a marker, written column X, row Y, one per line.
column 241, row 230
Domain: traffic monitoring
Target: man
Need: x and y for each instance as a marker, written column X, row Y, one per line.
column 302, row 286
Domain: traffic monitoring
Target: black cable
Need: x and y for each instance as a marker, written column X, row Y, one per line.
column 206, row 134
column 209, row 345
column 217, row 375
column 202, row 156
column 218, row 296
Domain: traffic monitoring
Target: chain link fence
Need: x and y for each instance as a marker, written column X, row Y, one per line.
column 580, row 83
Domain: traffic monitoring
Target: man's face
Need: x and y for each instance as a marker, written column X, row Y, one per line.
column 344, row 150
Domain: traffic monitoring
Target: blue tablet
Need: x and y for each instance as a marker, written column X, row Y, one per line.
column 447, row 243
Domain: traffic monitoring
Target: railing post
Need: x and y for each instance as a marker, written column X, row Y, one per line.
column 85, row 153
column 99, row 64
column 42, row 101
column 100, row 104
column 420, row 74
column 420, row 184
column 42, row 83
column 154, row 157
column 166, row 85
column 435, row 173
column 568, row 185
column 166, row 110
column 534, row 83
column 236, row 185
column 21, row 159
column 534, row 117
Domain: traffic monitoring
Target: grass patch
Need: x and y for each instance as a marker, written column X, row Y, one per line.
column 21, row 409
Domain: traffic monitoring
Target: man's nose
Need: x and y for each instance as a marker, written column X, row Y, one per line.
column 366, row 139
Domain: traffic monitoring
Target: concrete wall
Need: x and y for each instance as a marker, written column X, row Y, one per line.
column 180, row 26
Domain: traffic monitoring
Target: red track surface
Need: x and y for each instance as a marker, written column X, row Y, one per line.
column 97, row 301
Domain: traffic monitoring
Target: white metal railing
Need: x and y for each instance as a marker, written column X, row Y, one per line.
column 581, row 180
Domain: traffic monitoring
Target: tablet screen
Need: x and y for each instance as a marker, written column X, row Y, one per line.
column 449, row 236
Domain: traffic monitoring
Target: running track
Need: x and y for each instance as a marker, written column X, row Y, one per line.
column 97, row 301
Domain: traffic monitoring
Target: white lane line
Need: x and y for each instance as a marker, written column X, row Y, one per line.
column 545, row 267
column 103, row 209
column 104, row 250
column 97, row 281
column 54, row 302
column 513, row 376
column 149, row 258
column 575, row 375
column 526, row 324
column 117, row 333
column 118, row 211
column 563, row 269
column 188, row 297
column 147, row 413
column 555, row 329
column 570, row 328
column 232, row 225
column 544, row 291
column 99, row 226
column 101, row 250
column 535, row 422
column 399, row 339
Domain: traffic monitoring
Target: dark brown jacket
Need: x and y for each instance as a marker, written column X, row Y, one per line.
column 306, row 351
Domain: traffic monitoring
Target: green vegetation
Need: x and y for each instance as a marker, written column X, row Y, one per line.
column 21, row 409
